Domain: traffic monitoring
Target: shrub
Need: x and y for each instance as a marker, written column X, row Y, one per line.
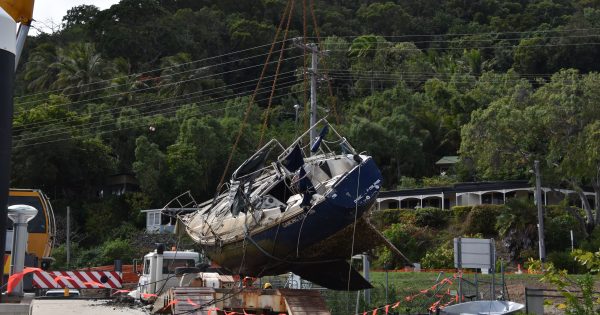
column 116, row 249
column 565, row 261
column 441, row 257
column 60, row 255
column 460, row 212
column 388, row 217
column 586, row 300
column 432, row 217
column 411, row 240
column 439, row 181
column 557, row 231
column 592, row 243
column 482, row 219
column 90, row 257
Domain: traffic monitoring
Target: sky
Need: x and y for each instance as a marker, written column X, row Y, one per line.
column 48, row 14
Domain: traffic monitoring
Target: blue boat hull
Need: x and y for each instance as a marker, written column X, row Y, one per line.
column 279, row 248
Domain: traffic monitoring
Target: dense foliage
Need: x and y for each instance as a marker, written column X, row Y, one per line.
column 158, row 89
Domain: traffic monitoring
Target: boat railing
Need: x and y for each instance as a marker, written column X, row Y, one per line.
column 324, row 148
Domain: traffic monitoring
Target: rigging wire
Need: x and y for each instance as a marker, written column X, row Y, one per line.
column 332, row 98
column 354, row 227
column 249, row 106
column 268, row 109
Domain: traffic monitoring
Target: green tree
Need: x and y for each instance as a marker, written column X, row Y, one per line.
column 150, row 166
column 557, row 123
column 63, row 157
column 40, row 68
column 81, row 71
column 182, row 77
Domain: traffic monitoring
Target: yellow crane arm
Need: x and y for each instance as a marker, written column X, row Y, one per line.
column 20, row 10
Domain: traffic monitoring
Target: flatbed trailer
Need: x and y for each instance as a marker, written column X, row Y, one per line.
column 205, row 301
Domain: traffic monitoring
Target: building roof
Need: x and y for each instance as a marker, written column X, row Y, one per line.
column 447, row 160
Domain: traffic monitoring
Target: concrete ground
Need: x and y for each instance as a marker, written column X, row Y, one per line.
column 78, row 306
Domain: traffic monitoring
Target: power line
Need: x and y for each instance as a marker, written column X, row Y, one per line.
column 472, row 34
column 352, row 71
column 278, row 42
column 135, row 126
column 152, row 87
column 334, row 44
column 99, row 124
column 216, row 89
column 110, row 87
column 472, row 47
column 467, row 40
column 162, row 69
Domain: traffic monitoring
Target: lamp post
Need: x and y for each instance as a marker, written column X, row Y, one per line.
column 20, row 215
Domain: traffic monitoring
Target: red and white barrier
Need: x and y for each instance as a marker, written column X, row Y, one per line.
column 77, row 280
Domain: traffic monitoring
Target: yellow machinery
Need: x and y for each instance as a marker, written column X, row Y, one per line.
column 42, row 229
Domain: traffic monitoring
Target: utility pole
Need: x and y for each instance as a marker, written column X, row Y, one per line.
column 68, row 237
column 7, row 73
column 314, row 50
column 540, row 211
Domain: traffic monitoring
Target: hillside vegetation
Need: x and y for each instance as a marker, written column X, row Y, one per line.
column 426, row 235
column 158, row 89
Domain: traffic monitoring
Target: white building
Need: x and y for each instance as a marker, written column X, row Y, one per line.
column 470, row 194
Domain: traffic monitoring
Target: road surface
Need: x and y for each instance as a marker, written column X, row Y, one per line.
column 73, row 306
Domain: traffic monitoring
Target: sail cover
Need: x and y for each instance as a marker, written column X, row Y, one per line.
column 317, row 144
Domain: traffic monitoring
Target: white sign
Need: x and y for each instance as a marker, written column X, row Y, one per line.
column 474, row 253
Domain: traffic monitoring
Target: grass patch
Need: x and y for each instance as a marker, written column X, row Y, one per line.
column 404, row 284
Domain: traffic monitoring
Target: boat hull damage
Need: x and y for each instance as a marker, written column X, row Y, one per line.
column 282, row 247
column 295, row 214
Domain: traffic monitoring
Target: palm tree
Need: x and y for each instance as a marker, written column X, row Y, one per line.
column 82, row 72
column 181, row 76
column 39, row 69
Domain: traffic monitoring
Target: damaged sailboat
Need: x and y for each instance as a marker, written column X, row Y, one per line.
column 292, row 209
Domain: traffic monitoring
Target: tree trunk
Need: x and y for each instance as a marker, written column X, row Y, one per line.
column 586, row 204
column 573, row 211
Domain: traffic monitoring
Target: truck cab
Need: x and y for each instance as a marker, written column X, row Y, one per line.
column 158, row 271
